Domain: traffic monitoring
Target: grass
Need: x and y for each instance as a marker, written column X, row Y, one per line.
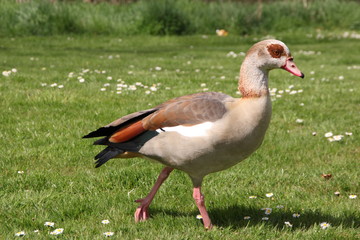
column 173, row 17
column 42, row 126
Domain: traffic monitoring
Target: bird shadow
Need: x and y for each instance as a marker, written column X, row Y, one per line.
column 233, row 217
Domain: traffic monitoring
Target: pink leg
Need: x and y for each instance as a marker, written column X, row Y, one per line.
column 142, row 212
column 200, row 203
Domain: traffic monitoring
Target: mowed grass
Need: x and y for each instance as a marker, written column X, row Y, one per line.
column 42, row 126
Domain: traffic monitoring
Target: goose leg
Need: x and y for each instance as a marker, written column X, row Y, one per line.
column 142, row 212
column 200, row 203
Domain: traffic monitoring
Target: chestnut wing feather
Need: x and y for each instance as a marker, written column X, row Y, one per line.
column 187, row 110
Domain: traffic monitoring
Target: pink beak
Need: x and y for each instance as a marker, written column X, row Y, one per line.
column 292, row 68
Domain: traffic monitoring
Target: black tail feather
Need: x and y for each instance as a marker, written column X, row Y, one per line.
column 102, row 141
column 106, row 154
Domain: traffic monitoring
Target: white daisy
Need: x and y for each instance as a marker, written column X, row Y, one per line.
column 198, row 216
column 338, row 137
column 49, row 224
column 57, row 231
column 132, row 87
column 105, row 221
column 6, row 73
column 328, row 134
column 268, row 211
column 324, row 225
column 299, row 120
column 352, row 196
column 20, row 234
column 269, row 195
column 296, row 215
column 288, row 224
column 108, row 234
column 247, row 217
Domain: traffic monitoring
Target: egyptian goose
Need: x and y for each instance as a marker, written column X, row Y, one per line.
column 203, row 132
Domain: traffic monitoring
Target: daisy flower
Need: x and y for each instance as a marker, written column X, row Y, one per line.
column 49, row 224
column 6, row 73
column 328, row 134
column 288, row 224
column 132, row 87
column 247, row 217
column 299, row 120
column 337, row 193
column 108, row 234
column 198, row 216
column 338, row 137
column 20, row 172
column 352, row 196
column 348, row 133
column 265, row 218
column 324, row 225
column 105, row 221
column 252, row 197
column 268, row 211
column 279, row 206
column 20, row 234
column 269, row 195
column 57, row 231
column 296, row 215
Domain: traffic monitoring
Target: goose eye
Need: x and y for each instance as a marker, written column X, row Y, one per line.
column 276, row 50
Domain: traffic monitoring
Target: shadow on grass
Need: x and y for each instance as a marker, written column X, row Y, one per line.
column 233, row 217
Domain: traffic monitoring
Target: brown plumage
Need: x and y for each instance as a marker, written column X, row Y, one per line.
column 200, row 133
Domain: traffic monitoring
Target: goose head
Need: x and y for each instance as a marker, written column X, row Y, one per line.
column 260, row 59
column 273, row 54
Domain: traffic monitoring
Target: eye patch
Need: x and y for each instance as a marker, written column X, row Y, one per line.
column 276, row 50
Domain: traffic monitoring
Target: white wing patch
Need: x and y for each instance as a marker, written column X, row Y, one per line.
column 199, row 130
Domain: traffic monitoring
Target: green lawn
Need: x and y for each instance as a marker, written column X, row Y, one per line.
column 42, row 125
